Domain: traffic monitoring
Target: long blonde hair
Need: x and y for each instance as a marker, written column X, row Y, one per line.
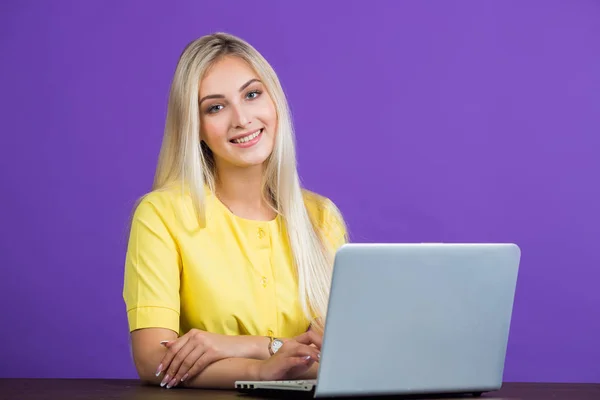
column 184, row 158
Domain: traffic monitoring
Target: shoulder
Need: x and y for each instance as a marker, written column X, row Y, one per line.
column 325, row 215
column 160, row 200
column 168, row 205
column 319, row 207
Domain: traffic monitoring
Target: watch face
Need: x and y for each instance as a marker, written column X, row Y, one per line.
column 276, row 345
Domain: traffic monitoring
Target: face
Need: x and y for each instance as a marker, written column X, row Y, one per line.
column 237, row 115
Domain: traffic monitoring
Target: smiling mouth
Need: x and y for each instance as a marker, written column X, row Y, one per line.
column 247, row 138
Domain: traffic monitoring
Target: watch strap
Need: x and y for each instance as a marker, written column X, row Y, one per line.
column 270, row 347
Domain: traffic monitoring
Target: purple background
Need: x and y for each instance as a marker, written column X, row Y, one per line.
column 425, row 121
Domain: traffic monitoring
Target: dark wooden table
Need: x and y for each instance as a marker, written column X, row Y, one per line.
column 112, row 389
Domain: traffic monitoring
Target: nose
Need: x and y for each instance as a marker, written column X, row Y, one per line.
column 240, row 117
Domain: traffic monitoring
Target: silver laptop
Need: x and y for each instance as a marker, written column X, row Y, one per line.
column 413, row 319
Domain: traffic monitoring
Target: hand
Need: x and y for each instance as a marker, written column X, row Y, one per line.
column 314, row 338
column 294, row 358
column 188, row 355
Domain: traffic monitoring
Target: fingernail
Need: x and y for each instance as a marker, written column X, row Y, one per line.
column 307, row 358
column 164, row 342
column 172, row 383
column 184, row 377
column 319, row 356
column 164, row 381
column 159, row 370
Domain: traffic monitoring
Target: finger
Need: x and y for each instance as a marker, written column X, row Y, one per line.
column 303, row 350
column 310, row 337
column 201, row 363
column 172, row 348
column 172, row 351
column 314, row 353
column 294, row 362
column 176, row 363
column 188, row 363
column 316, row 338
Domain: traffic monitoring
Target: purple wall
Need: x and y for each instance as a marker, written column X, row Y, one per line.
column 425, row 121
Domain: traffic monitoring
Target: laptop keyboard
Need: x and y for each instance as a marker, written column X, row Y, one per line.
column 293, row 383
column 300, row 385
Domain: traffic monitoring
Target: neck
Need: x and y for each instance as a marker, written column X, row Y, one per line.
column 240, row 189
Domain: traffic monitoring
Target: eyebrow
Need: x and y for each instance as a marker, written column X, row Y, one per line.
column 220, row 96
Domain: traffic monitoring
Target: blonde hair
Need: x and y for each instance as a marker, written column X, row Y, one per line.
column 184, row 158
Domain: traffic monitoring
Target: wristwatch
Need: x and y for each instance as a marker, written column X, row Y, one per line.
column 274, row 345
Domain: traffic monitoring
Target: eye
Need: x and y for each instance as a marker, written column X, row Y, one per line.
column 253, row 94
column 214, row 109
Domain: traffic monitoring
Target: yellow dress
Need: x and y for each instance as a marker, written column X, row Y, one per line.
column 234, row 276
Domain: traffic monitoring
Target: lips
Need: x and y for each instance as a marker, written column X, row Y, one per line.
column 246, row 137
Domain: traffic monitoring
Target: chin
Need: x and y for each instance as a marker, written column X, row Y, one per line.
column 248, row 162
column 257, row 156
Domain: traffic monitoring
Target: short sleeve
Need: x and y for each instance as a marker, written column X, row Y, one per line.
column 152, row 272
column 334, row 227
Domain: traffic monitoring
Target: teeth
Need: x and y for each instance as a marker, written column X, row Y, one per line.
column 247, row 138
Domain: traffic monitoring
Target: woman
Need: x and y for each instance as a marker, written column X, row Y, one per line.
column 229, row 260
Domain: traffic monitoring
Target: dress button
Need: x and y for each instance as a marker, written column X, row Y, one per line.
column 261, row 233
column 264, row 281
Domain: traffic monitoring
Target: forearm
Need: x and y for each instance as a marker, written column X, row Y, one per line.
column 255, row 347
column 223, row 374
column 149, row 354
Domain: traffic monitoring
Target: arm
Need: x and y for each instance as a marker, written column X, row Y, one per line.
column 148, row 353
column 296, row 359
column 155, row 367
column 222, row 372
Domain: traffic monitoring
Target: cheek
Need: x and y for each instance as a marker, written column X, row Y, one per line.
column 270, row 114
column 213, row 130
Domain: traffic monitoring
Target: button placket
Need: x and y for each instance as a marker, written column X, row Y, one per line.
column 262, row 239
column 261, row 233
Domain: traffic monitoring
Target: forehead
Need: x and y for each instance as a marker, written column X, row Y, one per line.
column 226, row 76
